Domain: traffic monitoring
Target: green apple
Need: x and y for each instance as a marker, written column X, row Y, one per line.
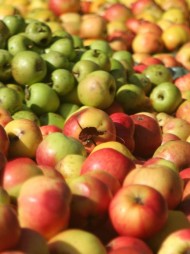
column 41, row 98
column 5, row 65
column 131, row 97
column 75, row 241
column 19, row 42
column 125, row 58
column 102, row 45
column 83, row 67
column 78, row 41
column 39, row 32
column 141, row 80
column 4, row 196
column 18, row 88
column 26, row 114
column 63, row 81
column 52, row 118
column 15, row 23
column 72, row 97
column 99, row 57
column 165, row 97
column 66, row 109
column 10, row 99
column 97, row 89
column 55, row 60
column 158, row 73
column 28, row 67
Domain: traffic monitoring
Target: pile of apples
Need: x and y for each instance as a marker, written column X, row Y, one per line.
column 94, row 127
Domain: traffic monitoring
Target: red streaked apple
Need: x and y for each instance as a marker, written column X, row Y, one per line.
column 162, row 178
column 52, row 198
column 136, row 209
column 5, row 116
column 49, row 128
column 91, row 126
column 110, row 160
column 63, row 6
column 183, row 110
column 117, row 11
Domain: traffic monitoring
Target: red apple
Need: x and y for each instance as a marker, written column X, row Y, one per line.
column 47, row 129
column 44, row 205
column 4, row 141
column 125, row 129
column 90, row 200
column 138, row 211
column 117, row 11
column 10, row 228
column 147, row 135
column 91, row 126
column 183, row 110
column 5, row 116
column 185, row 175
column 110, row 160
column 128, row 241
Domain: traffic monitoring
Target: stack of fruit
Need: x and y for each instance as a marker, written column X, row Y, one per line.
column 94, row 127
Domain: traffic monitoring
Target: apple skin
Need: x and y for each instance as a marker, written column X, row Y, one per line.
column 5, row 116
column 39, row 189
column 55, row 147
column 147, row 135
column 176, row 151
column 86, row 117
column 4, row 141
column 180, row 239
column 125, row 129
column 49, row 128
column 132, row 204
column 128, row 241
column 24, row 136
column 90, row 201
column 16, row 172
column 10, row 227
column 110, row 160
column 171, row 188
column 117, row 11
column 183, row 110
column 60, row 7
column 76, row 241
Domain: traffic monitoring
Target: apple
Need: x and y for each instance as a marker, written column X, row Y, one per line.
column 15, row 23
column 182, row 82
column 159, row 161
column 91, row 126
column 31, row 241
column 96, row 21
column 28, row 67
column 59, row 7
column 4, row 141
column 102, row 45
column 52, row 118
column 128, row 241
column 158, row 73
column 165, row 97
column 183, row 109
column 52, row 198
column 10, row 100
column 10, row 227
column 141, row 80
column 103, row 85
column 16, row 172
column 179, row 239
column 90, row 200
column 176, row 151
column 74, row 241
column 178, row 127
column 24, row 136
column 47, row 129
column 55, row 146
column 177, row 220
column 70, row 165
column 117, row 11
column 114, row 108
column 185, row 175
column 125, row 129
column 5, row 116
column 26, row 114
column 171, row 188
column 147, row 135
column 70, row 21
column 110, row 160
column 4, row 31
column 168, row 59
column 182, row 55
column 132, row 204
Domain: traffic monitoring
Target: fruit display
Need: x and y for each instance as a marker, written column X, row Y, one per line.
column 94, row 127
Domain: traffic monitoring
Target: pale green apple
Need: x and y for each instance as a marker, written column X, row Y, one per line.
column 97, row 89
column 26, row 114
column 52, row 118
column 66, row 109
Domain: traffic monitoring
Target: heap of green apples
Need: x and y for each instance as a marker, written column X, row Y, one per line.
column 94, row 127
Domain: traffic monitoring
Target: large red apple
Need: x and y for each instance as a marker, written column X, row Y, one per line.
column 110, row 160
column 147, row 135
column 91, row 126
column 125, row 129
column 44, row 205
column 138, row 211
